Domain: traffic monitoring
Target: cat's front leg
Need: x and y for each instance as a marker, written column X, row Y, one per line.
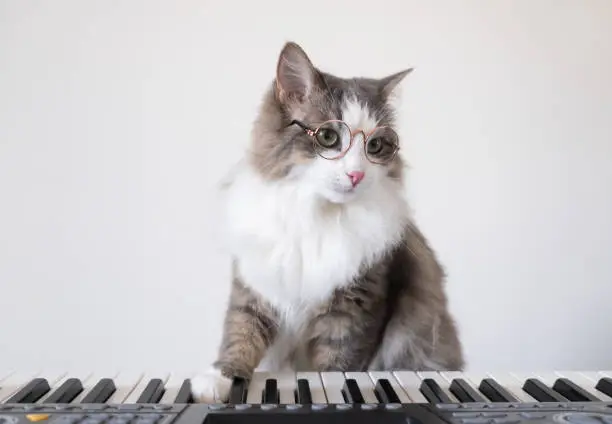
column 343, row 335
column 249, row 329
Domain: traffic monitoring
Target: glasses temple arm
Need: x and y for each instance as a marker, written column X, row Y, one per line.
column 303, row 126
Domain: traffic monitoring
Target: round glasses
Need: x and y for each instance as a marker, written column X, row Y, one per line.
column 333, row 138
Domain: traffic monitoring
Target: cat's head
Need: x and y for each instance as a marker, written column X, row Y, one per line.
column 312, row 126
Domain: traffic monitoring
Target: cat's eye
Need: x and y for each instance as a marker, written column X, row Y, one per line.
column 382, row 145
column 375, row 145
column 327, row 137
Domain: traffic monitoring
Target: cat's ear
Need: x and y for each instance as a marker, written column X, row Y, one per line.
column 296, row 76
column 389, row 84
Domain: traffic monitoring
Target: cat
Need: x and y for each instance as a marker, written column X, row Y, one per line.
column 329, row 270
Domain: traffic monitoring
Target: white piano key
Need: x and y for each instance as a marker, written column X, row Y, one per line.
column 142, row 384
column 444, row 384
column 397, row 388
column 83, row 375
column 173, row 385
column 513, row 384
column 89, row 382
column 451, row 375
column 125, row 383
column 256, row 387
column 476, row 377
column 333, row 381
column 473, row 379
column 286, row 384
column 366, row 387
column 317, row 392
column 587, row 380
column 411, row 384
column 53, row 377
column 5, row 375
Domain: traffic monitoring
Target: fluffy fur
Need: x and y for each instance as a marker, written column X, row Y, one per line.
column 326, row 275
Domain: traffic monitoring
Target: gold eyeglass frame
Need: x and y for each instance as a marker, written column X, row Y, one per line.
column 366, row 137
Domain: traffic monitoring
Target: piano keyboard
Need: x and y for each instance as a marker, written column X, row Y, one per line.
column 572, row 397
column 313, row 387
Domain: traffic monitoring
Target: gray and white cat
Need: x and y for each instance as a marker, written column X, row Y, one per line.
column 329, row 270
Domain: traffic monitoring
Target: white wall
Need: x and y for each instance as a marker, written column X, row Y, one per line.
column 117, row 120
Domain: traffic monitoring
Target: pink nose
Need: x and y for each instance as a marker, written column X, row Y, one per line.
column 356, row 177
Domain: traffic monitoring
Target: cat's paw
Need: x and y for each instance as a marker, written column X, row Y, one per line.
column 210, row 387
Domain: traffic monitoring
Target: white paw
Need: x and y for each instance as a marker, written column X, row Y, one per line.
column 210, row 387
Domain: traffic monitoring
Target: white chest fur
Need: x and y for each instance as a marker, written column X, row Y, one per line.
column 294, row 248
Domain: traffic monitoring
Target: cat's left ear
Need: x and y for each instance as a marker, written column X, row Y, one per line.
column 296, row 76
column 388, row 84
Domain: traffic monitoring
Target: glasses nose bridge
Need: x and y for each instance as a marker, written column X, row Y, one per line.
column 355, row 132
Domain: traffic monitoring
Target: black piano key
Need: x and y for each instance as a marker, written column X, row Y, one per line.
column 31, row 392
column 384, row 392
column 541, row 392
column 184, row 393
column 238, row 391
column 270, row 392
column 495, row 392
column 153, row 392
column 303, row 394
column 101, row 392
column 573, row 392
column 604, row 385
column 66, row 393
column 464, row 392
column 433, row 392
column 351, row 392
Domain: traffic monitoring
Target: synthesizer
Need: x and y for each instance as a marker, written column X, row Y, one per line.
column 399, row 397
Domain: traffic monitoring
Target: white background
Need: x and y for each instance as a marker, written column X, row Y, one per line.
column 119, row 118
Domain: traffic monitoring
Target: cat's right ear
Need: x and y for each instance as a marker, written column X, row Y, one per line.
column 296, row 76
